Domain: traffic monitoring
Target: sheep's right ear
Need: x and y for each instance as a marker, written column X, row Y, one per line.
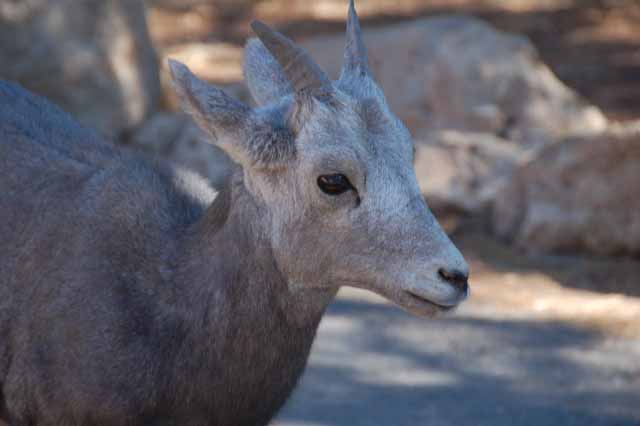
column 228, row 121
column 263, row 74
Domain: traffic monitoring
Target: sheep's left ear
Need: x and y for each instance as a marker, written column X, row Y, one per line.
column 227, row 121
column 259, row 140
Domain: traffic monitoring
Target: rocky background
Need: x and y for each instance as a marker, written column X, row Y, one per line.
column 526, row 117
column 499, row 135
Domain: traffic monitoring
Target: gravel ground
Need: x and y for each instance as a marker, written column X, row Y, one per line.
column 373, row 364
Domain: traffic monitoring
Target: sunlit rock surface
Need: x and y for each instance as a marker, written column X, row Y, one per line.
column 458, row 72
column 580, row 194
column 464, row 170
column 92, row 57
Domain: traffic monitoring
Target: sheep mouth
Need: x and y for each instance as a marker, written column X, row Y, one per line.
column 429, row 303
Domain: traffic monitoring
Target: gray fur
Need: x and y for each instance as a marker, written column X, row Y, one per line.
column 125, row 291
column 132, row 294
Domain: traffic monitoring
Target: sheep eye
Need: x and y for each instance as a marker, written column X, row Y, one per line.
column 334, row 184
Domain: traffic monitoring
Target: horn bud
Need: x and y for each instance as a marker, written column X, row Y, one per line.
column 355, row 53
column 303, row 73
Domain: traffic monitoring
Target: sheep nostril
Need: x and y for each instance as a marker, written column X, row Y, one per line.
column 456, row 278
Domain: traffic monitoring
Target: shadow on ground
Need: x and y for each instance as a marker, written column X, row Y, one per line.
column 375, row 365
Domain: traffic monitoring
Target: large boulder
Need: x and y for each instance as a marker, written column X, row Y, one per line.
column 581, row 194
column 464, row 171
column 92, row 57
column 458, row 72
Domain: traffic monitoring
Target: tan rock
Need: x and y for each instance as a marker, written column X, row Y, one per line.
column 464, row 171
column 458, row 72
column 92, row 57
column 581, row 194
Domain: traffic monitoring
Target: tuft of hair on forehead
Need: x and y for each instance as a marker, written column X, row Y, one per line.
column 271, row 145
column 369, row 113
column 374, row 114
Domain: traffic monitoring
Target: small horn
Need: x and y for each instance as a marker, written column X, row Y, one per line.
column 303, row 73
column 355, row 52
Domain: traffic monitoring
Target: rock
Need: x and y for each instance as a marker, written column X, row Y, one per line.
column 219, row 63
column 176, row 137
column 581, row 194
column 92, row 57
column 457, row 72
column 464, row 171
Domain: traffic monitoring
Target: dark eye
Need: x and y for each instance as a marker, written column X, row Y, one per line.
column 334, row 184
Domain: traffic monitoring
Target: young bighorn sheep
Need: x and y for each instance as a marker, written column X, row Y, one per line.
column 130, row 294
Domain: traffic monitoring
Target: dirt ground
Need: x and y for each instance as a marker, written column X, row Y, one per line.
column 374, row 365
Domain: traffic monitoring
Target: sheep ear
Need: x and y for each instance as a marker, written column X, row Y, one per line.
column 263, row 74
column 226, row 120
column 253, row 139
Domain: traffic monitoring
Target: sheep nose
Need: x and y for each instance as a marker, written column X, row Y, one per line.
column 458, row 279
